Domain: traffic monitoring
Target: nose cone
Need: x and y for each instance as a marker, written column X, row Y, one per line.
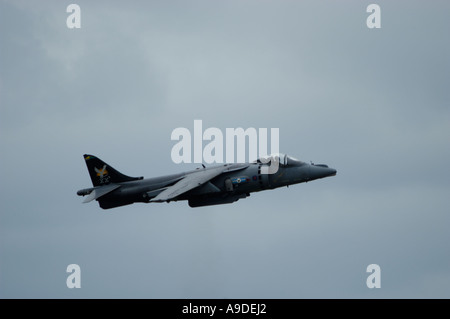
column 320, row 171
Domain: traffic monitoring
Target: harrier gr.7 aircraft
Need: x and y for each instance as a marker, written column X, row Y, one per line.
column 220, row 184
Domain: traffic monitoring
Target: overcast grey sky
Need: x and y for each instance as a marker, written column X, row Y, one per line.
column 374, row 104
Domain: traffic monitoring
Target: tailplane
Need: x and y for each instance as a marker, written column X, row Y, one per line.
column 103, row 174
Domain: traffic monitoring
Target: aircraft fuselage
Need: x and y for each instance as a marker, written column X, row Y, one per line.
column 237, row 182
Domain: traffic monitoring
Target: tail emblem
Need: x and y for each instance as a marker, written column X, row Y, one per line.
column 102, row 174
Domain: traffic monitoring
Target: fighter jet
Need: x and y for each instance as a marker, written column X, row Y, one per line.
column 204, row 186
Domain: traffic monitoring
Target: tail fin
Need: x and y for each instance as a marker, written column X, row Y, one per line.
column 103, row 174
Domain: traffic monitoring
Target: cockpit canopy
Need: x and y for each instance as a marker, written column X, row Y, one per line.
column 281, row 158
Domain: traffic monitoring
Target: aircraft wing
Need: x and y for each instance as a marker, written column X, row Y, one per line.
column 100, row 191
column 191, row 181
